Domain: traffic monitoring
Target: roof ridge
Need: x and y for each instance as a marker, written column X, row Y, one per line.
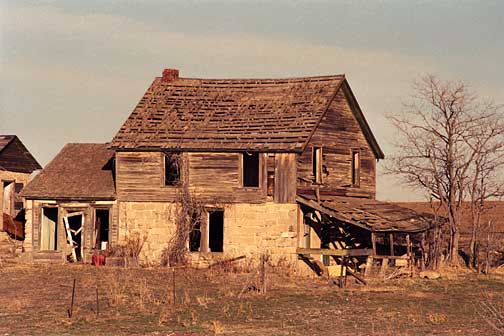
column 265, row 78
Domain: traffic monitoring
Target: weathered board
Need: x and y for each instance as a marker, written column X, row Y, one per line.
column 337, row 134
column 216, row 177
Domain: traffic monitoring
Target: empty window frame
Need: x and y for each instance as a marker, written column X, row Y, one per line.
column 250, row 164
column 18, row 201
column 102, row 228
column 208, row 235
column 8, row 197
column 172, row 165
column 356, row 167
column 317, row 164
column 49, row 229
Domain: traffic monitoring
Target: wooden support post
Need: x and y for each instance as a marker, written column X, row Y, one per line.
column 384, row 266
column 373, row 241
column 391, row 238
column 410, row 255
column 369, row 266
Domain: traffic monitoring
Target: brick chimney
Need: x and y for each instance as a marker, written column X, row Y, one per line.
column 170, row 75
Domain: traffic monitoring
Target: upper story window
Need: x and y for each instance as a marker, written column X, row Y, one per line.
column 355, row 167
column 317, row 164
column 250, row 163
column 172, row 164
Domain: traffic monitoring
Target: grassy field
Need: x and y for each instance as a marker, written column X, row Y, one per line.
column 34, row 300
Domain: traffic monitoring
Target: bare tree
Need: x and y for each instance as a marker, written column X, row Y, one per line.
column 442, row 131
column 486, row 181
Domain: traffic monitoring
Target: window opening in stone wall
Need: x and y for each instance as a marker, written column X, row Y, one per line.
column 216, row 231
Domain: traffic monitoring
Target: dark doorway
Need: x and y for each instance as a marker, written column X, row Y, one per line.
column 102, row 227
column 216, row 230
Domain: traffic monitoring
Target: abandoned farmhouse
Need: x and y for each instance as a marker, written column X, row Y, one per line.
column 280, row 166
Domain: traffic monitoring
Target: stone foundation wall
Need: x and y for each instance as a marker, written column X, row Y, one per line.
column 249, row 229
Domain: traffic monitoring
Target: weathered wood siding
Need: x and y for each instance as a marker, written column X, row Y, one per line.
column 65, row 208
column 285, row 178
column 337, row 134
column 215, row 177
column 16, row 158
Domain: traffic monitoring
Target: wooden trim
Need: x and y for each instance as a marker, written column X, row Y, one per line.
column 355, row 172
column 262, row 170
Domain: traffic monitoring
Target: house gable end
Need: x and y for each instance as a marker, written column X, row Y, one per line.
column 15, row 157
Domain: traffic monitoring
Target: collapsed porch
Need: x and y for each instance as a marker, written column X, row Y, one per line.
column 343, row 235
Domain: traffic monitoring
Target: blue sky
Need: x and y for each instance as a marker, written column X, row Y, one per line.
column 72, row 71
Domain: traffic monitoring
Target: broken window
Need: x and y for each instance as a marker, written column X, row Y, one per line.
column 208, row 236
column 49, row 229
column 102, row 224
column 18, row 201
column 317, row 164
column 355, row 168
column 172, row 169
column 250, row 169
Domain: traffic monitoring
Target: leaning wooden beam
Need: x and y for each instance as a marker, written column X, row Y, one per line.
column 331, row 252
column 356, row 276
column 226, row 261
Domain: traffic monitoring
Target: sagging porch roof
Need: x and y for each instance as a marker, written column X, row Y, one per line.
column 370, row 214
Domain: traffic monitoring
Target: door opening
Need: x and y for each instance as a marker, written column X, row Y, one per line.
column 102, row 227
column 73, row 225
column 49, row 229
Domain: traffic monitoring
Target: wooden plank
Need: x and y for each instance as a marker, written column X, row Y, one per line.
column 332, row 252
column 391, row 239
column 332, row 213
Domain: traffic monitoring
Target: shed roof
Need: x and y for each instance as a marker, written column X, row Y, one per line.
column 371, row 214
column 79, row 171
column 231, row 114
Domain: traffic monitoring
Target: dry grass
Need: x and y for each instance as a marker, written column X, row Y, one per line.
column 140, row 301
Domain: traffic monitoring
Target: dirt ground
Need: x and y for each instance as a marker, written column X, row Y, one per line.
column 35, row 300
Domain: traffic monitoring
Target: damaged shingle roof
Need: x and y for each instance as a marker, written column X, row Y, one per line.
column 79, row 171
column 371, row 214
column 228, row 114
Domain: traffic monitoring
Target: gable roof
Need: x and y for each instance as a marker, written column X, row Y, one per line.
column 230, row 114
column 371, row 214
column 79, row 171
column 15, row 157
